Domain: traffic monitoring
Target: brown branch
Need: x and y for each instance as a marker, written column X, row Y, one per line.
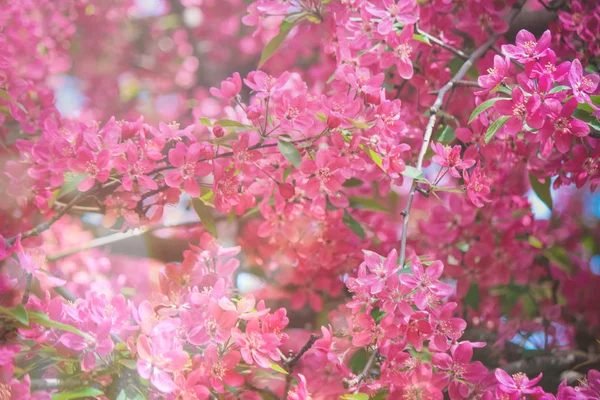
column 291, row 363
column 442, row 44
column 27, row 289
column 472, row 84
column 44, row 226
column 435, row 108
column 47, row 224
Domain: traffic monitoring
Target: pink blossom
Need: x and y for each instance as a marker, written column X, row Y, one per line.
column 265, row 85
column 94, row 166
column 426, row 282
column 222, row 368
column 563, row 127
column 255, row 346
column 420, row 383
column 495, row 75
column 230, row 87
column 528, row 48
column 402, row 46
column 186, row 160
column 517, row 385
column 449, row 157
column 582, row 85
column 547, row 66
column 519, row 110
column 158, row 357
column 135, row 167
column 402, row 11
column 301, row 391
column 380, row 269
column 324, row 173
column 460, row 369
column 478, row 186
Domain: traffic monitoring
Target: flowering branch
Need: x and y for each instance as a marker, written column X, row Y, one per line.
column 435, row 108
column 47, row 224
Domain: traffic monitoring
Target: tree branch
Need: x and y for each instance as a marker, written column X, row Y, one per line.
column 116, row 237
column 291, row 363
column 442, row 44
column 44, row 226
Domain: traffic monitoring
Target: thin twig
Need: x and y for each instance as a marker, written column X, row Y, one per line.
column 27, row 289
column 442, row 44
column 291, row 363
column 518, row 64
column 360, row 377
column 59, row 214
column 472, row 84
column 435, row 108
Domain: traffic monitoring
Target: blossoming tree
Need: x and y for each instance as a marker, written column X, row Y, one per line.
column 361, row 177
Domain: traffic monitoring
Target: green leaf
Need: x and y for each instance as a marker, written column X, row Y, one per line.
column 585, row 113
column 358, row 361
column 378, row 314
column 355, row 396
column 412, row 172
column 559, row 89
column 38, row 317
column 273, row 45
column 367, row 203
column 405, row 270
column 4, row 94
column 278, row 368
column 70, row 185
column 77, row 394
column 472, row 296
column 484, row 106
column 353, row 183
column 206, row 216
column 446, row 134
column 529, row 306
column 353, row 224
column 558, row 255
column 535, row 242
column 286, row 173
column 359, row 124
column 207, row 196
column 130, row 394
column 447, row 189
column 421, row 38
column 290, row 152
column 542, row 190
column 19, row 313
column 322, row 117
column 205, row 121
column 495, row 127
column 130, row 364
column 374, row 156
column 231, row 123
column 501, row 89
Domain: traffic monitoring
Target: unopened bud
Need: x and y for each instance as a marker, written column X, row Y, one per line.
column 218, row 131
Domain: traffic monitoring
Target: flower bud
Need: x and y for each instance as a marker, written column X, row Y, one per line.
column 286, row 191
column 218, row 131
